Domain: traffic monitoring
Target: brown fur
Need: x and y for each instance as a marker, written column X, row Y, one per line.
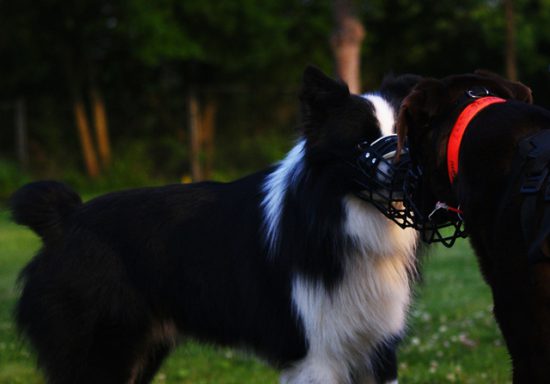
column 487, row 190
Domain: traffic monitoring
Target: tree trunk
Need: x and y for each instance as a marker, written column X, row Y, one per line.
column 510, row 50
column 208, row 128
column 81, row 120
column 194, row 137
column 346, row 44
column 101, row 127
column 21, row 138
column 74, row 83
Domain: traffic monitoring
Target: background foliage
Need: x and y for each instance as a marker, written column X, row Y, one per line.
column 246, row 55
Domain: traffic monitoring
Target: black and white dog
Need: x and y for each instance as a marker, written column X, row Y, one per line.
column 287, row 262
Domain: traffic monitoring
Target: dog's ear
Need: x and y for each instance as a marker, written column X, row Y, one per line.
column 424, row 102
column 511, row 89
column 396, row 88
column 320, row 91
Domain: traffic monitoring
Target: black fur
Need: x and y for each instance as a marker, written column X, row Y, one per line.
column 43, row 206
column 487, row 190
column 118, row 275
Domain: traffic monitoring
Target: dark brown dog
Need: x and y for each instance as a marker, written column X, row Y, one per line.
column 487, row 190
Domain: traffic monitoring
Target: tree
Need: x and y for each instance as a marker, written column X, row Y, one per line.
column 346, row 43
column 69, row 52
column 246, row 43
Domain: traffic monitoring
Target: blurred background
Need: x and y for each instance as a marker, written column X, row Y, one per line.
column 107, row 94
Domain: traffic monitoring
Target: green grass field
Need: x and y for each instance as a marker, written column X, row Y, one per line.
column 452, row 335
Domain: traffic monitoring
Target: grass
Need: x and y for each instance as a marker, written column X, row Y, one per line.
column 452, row 335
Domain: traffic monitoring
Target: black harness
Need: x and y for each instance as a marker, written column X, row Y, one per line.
column 534, row 167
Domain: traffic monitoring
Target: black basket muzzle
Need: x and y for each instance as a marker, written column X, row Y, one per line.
column 395, row 188
column 383, row 178
column 437, row 222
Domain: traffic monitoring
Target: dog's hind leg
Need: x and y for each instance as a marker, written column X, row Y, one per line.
column 113, row 356
column 84, row 328
column 131, row 353
column 103, row 352
column 160, row 341
column 146, row 369
column 73, row 349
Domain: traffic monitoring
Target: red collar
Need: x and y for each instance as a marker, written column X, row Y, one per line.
column 459, row 128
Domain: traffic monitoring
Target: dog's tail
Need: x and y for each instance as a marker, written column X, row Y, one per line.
column 43, row 206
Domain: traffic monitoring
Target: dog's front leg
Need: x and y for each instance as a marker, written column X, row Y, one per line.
column 317, row 369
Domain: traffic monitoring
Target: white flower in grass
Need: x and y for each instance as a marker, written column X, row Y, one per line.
column 451, row 377
column 465, row 340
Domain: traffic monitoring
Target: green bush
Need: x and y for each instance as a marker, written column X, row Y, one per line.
column 247, row 154
column 164, row 160
column 11, row 177
column 133, row 165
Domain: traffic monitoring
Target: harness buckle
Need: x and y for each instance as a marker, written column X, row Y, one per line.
column 533, row 182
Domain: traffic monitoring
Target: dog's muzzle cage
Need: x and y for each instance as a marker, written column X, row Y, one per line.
column 383, row 178
column 394, row 186
column 443, row 224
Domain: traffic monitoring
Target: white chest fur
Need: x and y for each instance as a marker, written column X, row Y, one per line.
column 345, row 322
